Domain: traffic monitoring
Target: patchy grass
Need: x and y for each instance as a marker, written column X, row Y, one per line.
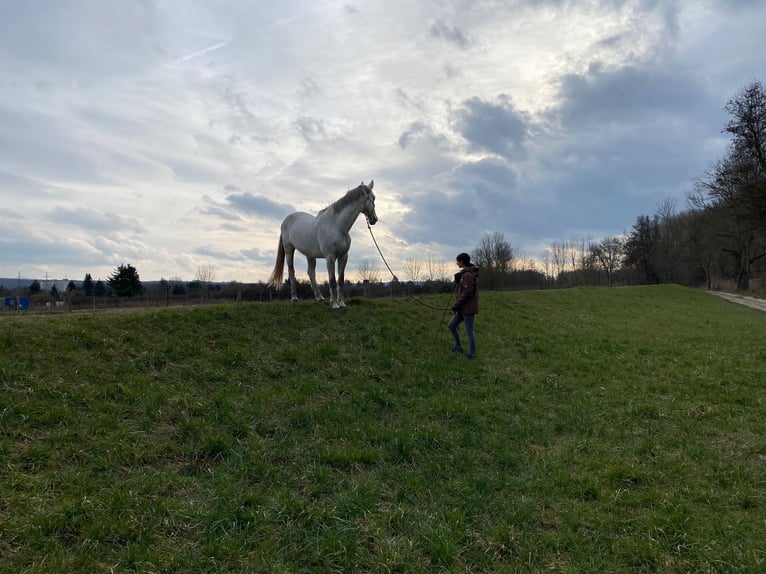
column 610, row 430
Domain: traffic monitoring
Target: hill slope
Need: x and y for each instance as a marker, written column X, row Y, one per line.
column 600, row 430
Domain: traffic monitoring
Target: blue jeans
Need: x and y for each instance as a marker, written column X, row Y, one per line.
column 452, row 326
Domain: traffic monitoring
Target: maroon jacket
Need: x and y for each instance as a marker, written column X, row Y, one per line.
column 467, row 291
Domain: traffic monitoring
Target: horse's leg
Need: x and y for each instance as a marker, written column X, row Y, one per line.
column 333, row 284
column 313, row 278
column 290, row 257
column 342, row 260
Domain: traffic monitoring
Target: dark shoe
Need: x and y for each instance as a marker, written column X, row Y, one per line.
column 470, row 355
column 457, row 349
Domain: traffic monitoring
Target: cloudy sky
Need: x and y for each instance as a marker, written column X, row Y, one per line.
column 177, row 134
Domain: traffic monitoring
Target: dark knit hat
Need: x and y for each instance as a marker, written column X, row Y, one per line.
column 464, row 258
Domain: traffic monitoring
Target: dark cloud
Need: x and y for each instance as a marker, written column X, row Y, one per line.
column 251, row 204
column 419, row 130
column 495, row 127
column 628, row 94
column 414, row 130
column 211, row 207
column 238, row 204
column 475, row 197
column 451, row 34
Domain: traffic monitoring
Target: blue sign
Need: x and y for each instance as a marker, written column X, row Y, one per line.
column 12, row 302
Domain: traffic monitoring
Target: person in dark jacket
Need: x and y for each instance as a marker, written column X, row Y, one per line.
column 466, row 304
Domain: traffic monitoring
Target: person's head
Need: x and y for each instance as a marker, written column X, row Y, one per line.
column 463, row 260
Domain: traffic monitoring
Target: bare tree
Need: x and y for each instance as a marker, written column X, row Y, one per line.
column 413, row 269
column 584, row 260
column 494, row 255
column 705, row 228
column 608, row 255
column 368, row 271
column 641, row 248
column 205, row 276
column 737, row 182
column 546, row 262
column 672, row 240
column 521, row 262
column 436, row 270
column 559, row 258
column 572, row 255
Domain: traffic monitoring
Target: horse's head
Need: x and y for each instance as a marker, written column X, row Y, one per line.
column 369, row 203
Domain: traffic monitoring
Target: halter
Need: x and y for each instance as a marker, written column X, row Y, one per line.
column 367, row 215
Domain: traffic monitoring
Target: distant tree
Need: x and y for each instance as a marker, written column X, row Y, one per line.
column 368, row 271
column 125, row 281
column 435, row 270
column 205, row 276
column 413, row 269
column 607, row 255
column 705, row 227
column 737, row 182
column 54, row 293
column 71, row 286
column 494, row 255
column 672, row 240
column 585, row 263
column 87, row 285
column 99, row 289
column 573, row 255
column 640, row 248
column 34, row 287
column 546, row 262
column 558, row 252
column 163, row 290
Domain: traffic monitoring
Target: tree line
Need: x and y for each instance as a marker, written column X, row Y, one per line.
column 719, row 238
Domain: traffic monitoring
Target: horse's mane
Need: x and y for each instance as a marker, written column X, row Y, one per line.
column 351, row 196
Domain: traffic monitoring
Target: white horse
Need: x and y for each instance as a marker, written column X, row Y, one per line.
column 323, row 237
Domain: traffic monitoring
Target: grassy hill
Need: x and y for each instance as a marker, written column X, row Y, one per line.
column 609, row 430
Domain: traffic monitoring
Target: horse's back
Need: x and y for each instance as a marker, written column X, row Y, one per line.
column 299, row 229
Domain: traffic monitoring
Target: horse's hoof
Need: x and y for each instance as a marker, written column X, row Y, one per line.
column 294, row 300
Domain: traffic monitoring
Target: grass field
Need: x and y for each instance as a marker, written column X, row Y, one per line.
column 600, row 430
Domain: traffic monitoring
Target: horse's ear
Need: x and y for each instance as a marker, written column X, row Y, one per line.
column 372, row 182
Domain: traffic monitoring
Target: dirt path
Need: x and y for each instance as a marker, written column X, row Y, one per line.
column 752, row 302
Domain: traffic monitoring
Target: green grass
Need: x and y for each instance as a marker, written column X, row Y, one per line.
column 609, row 430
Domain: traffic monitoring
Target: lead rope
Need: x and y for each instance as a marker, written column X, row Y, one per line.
column 396, row 279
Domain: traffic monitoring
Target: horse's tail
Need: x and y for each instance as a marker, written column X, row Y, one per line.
column 275, row 280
